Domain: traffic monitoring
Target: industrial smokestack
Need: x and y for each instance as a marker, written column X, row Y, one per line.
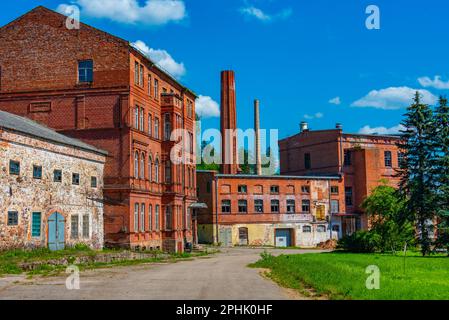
column 257, row 138
column 228, row 124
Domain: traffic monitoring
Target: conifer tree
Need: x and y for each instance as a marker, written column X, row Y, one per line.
column 417, row 181
column 441, row 170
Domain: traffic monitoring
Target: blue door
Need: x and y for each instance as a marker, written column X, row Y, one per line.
column 283, row 238
column 56, row 232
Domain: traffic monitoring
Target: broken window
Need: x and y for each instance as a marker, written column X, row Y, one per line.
column 274, row 206
column 305, row 207
column 291, row 206
column 258, row 205
column 75, row 179
column 74, row 227
column 13, row 218
column 57, row 176
column 243, row 206
column 226, row 206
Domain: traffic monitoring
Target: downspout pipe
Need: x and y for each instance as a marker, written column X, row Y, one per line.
column 216, row 210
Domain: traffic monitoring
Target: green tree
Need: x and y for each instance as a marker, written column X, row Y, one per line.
column 384, row 208
column 207, row 166
column 417, row 181
column 441, row 170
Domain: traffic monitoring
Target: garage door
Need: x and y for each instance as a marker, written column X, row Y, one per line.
column 283, row 238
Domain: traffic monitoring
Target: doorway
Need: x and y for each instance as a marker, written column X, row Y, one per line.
column 56, row 232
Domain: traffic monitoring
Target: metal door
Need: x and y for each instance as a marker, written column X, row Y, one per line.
column 56, row 232
column 283, row 238
column 225, row 237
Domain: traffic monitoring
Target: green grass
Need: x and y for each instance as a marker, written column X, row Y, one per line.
column 342, row 275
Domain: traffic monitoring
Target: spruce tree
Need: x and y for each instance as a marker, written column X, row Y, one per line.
column 441, row 170
column 417, row 182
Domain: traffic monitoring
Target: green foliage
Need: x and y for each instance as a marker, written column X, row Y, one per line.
column 360, row 242
column 343, row 275
column 417, row 181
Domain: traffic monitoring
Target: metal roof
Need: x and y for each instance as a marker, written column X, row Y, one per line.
column 26, row 126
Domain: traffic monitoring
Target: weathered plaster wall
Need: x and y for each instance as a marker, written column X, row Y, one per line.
column 26, row 195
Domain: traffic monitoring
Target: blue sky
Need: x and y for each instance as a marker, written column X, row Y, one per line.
column 293, row 55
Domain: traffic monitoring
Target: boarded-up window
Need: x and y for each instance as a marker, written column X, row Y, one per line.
column 290, row 190
column 320, row 213
column 258, row 189
column 226, row 188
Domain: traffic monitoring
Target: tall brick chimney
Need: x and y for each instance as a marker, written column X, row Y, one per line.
column 228, row 123
column 257, row 138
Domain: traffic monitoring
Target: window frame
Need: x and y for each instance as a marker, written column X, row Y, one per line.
column 36, row 227
column 59, row 172
column 34, row 172
column 76, row 179
column 305, row 206
column 14, row 172
column 89, row 78
column 12, row 218
column 275, row 203
column 226, row 203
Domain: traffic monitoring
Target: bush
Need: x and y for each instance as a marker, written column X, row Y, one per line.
column 360, row 242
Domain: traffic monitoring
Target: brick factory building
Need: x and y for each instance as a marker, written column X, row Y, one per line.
column 264, row 209
column 362, row 160
column 51, row 187
column 90, row 85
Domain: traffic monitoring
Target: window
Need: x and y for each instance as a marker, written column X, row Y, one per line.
column 150, row 218
column 321, row 228
column 156, row 89
column 156, row 128
column 305, row 206
column 74, row 222
column 168, row 171
column 86, row 226
column 167, row 127
column 275, row 206
column 243, row 206
column 14, row 167
column 141, row 119
column 142, row 166
column 348, row 196
column 336, row 228
column 150, row 169
column 136, row 217
column 189, row 108
column 334, row 189
column 305, row 189
column 307, row 229
column 36, row 224
column 307, row 161
column 57, row 176
column 387, row 158
column 168, row 218
column 401, row 159
column 76, row 179
column 141, row 75
column 150, row 125
column 142, row 217
column 37, row 172
column 225, row 206
column 157, row 218
column 347, row 161
column 136, row 73
column 136, row 117
column 335, row 206
column 156, row 171
column 291, row 206
column 93, row 182
column 258, row 206
column 85, row 71
column 13, row 218
column 136, row 165
column 149, row 85
column 274, row 189
column 242, row 189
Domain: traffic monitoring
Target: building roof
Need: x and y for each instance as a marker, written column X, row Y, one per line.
column 254, row 176
column 373, row 135
column 28, row 127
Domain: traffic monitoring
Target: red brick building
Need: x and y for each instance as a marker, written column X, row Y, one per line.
column 96, row 87
column 362, row 160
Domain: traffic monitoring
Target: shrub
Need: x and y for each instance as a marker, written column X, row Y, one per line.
column 360, row 242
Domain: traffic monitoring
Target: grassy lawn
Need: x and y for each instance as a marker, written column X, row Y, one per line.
column 11, row 260
column 342, row 275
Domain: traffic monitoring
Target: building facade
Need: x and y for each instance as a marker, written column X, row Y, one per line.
column 90, row 85
column 51, row 188
column 363, row 161
column 277, row 211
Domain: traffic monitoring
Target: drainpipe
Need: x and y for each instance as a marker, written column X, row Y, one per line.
column 216, row 209
column 330, row 207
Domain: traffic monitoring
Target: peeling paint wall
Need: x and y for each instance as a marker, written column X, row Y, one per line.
column 25, row 194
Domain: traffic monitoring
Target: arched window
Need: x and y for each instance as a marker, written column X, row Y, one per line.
column 157, row 218
column 142, row 166
column 150, row 169
column 156, row 171
column 136, row 165
column 307, row 229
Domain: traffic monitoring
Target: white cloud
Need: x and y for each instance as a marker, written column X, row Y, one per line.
column 436, row 83
column 393, row 98
column 162, row 58
column 153, row 12
column 206, row 107
column 258, row 14
column 317, row 115
column 381, row 130
column 335, row 100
